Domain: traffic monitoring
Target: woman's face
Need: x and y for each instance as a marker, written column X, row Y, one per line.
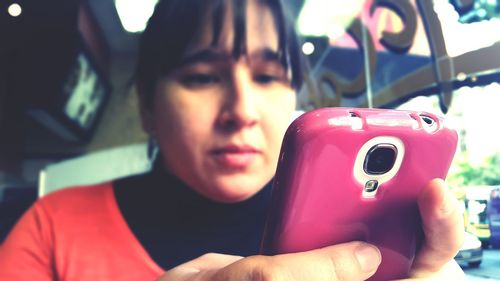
column 219, row 120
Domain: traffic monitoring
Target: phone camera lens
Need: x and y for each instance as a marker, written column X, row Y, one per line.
column 380, row 159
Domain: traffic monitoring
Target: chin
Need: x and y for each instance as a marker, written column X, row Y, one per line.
column 232, row 191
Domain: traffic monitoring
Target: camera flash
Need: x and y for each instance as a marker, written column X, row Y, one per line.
column 371, row 186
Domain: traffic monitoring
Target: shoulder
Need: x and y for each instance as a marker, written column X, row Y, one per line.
column 64, row 212
column 76, row 199
column 77, row 194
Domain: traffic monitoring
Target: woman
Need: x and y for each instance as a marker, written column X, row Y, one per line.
column 217, row 82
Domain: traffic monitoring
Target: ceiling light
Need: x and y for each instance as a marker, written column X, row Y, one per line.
column 308, row 48
column 134, row 14
column 14, row 10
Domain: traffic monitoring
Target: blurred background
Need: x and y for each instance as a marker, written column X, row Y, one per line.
column 68, row 107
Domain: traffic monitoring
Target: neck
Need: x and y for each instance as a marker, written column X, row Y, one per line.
column 175, row 224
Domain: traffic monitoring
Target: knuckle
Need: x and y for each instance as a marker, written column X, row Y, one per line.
column 343, row 265
column 267, row 269
column 337, row 269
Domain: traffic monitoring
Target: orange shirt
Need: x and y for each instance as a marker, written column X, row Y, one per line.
column 63, row 234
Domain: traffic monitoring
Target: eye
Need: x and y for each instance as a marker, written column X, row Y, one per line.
column 265, row 78
column 200, row 79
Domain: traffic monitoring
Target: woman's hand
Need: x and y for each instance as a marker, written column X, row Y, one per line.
column 348, row 261
column 443, row 228
column 444, row 234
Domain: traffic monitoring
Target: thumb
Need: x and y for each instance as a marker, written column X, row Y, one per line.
column 348, row 261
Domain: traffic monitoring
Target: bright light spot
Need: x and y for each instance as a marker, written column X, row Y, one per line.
column 14, row 10
column 461, row 76
column 318, row 17
column 481, row 12
column 134, row 14
column 308, row 48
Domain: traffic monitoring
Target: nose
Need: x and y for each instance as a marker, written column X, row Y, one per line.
column 240, row 108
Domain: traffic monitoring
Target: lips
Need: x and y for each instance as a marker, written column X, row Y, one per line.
column 235, row 156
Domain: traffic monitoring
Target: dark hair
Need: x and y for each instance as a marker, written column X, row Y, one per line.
column 176, row 23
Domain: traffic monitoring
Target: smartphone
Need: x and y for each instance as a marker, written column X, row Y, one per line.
column 352, row 174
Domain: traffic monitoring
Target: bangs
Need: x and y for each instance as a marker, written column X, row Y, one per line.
column 239, row 26
column 177, row 24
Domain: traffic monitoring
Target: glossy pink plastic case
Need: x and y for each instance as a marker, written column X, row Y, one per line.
column 325, row 193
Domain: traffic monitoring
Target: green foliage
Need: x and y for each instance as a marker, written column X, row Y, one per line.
column 485, row 173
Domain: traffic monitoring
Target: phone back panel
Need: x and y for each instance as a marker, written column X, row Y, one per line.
column 318, row 196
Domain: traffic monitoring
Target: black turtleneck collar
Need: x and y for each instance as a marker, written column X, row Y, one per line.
column 176, row 224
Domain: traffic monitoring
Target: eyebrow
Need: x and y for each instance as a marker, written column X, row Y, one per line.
column 268, row 55
column 213, row 56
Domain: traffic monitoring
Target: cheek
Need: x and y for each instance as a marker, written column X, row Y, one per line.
column 176, row 136
column 278, row 119
column 284, row 111
column 175, row 126
column 182, row 122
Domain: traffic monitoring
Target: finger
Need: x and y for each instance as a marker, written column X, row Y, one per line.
column 349, row 261
column 443, row 228
column 202, row 268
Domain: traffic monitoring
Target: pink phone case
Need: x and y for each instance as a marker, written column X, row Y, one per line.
column 327, row 192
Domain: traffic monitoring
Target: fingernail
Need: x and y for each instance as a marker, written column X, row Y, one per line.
column 368, row 256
